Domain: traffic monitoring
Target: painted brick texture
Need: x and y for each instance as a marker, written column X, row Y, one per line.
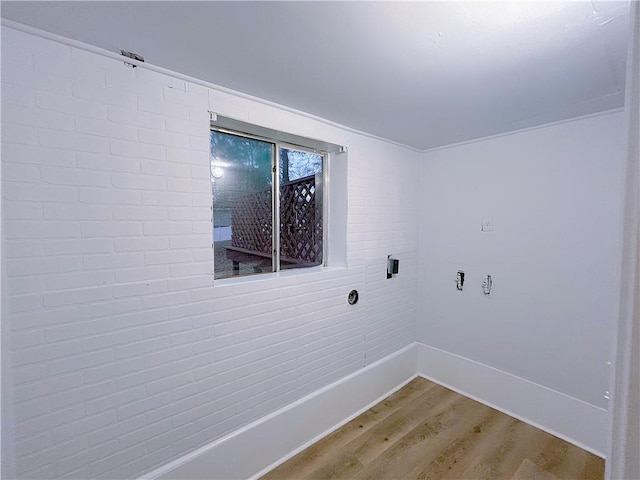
column 124, row 355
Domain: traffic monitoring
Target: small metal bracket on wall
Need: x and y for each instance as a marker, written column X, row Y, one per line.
column 135, row 56
column 486, row 285
column 460, row 280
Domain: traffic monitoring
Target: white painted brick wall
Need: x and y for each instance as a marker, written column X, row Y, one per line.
column 124, row 354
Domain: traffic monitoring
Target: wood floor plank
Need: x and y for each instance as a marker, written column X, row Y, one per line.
column 425, row 442
column 558, row 456
column 484, row 455
column 592, row 469
column 503, row 453
column 579, row 464
column 425, row 431
column 384, row 435
column 342, row 465
column 530, row 471
column 333, row 444
column 454, row 446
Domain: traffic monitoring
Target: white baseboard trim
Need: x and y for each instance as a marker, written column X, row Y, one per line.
column 272, row 439
column 573, row 420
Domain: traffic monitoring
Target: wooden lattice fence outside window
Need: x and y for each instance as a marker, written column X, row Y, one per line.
column 300, row 223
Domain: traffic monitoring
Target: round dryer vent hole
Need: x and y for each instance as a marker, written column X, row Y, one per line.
column 352, row 298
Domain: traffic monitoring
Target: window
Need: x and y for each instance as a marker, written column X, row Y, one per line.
column 268, row 201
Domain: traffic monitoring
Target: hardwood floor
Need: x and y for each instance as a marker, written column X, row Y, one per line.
column 425, row 431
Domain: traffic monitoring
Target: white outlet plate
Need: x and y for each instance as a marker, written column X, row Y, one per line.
column 487, row 224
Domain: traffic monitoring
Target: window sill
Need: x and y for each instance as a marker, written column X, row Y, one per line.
column 297, row 273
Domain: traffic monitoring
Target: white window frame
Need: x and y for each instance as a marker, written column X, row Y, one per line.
column 285, row 140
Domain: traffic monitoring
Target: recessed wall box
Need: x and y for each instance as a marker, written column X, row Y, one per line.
column 393, row 265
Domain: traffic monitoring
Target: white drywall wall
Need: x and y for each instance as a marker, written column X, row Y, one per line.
column 554, row 196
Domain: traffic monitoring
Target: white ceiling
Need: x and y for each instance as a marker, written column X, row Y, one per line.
column 423, row 74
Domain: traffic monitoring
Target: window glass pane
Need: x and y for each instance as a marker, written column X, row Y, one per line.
column 300, row 208
column 242, row 204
